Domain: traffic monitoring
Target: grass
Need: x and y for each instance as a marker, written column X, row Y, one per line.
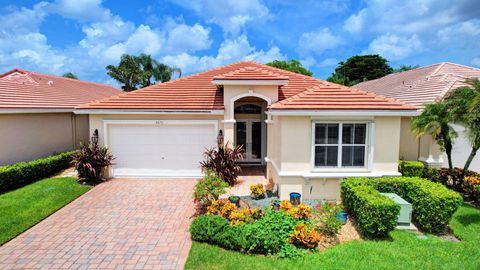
column 404, row 251
column 22, row 208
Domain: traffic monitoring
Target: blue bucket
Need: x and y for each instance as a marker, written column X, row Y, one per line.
column 295, row 198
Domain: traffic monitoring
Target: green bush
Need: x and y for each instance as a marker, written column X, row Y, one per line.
column 433, row 204
column 24, row 173
column 265, row 236
column 269, row 234
column 376, row 214
column 411, row 168
column 205, row 228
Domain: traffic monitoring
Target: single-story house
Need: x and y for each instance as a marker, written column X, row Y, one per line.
column 36, row 114
column 309, row 133
column 421, row 86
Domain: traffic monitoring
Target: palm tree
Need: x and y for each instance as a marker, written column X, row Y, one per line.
column 435, row 120
column 128, row 72
column 464, row 104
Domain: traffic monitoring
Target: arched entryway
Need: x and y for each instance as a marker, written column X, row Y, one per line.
column 250, row 128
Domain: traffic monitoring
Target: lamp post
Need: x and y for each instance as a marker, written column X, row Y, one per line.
column 220, row 137
column 95, row 137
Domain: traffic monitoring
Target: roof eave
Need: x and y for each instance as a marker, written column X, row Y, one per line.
column 291, row 112
column 148, row 111
column 34, row 110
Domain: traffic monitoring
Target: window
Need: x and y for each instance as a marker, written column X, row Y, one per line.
column 248, row 109
column 340, row 144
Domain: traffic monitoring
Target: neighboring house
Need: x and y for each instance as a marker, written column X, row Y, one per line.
column 36, row 114
column 309, row 133
column 421, row 86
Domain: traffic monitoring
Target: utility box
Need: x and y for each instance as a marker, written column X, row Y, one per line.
column 405, row 215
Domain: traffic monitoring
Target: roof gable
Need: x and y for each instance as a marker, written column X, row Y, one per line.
column 251, row 73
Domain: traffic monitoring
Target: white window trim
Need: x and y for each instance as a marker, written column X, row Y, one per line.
column 369, row 142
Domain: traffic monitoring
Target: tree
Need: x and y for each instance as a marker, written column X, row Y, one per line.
column 292, row 65
column 128, row 72
column 435, row 120
column 464, row 105
column 403, row 68
column 140, row 71
column 70, row 75
column 360, row 68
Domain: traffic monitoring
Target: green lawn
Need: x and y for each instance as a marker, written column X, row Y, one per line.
column 405, row 251
column 22, row 208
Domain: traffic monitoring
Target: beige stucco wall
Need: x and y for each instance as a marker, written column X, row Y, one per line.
column 29, row 136
column 409, row 143
column 293, row 136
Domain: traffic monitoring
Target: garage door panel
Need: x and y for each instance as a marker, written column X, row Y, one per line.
column 159, row 150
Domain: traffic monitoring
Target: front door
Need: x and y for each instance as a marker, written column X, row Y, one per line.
column 249, row 134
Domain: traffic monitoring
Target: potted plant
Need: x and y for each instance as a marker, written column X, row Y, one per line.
column 235, row 200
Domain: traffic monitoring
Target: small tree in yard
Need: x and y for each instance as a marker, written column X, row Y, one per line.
column 435, row 120
column 222, row 160
column 464, row 104
column 90, row 159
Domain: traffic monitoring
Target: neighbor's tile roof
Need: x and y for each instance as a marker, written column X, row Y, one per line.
column 197, row 92
column 422, row 85
column 22, row 89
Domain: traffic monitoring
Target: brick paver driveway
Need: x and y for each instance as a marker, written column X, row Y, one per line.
column 121, row 224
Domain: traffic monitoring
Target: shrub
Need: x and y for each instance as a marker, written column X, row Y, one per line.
column 411, row 168
column 205, row 228
column 305, row 236
column 269, row 234
column 290, row 251
column 258, row 192
column 90, row 159
column 285, row 205
column 231, row 237
column 209, row 188
column 458, row 180
column 302, row 211
column 376, row 214
column 223, row 161
column 325, row 218
column 23, row 173
column 240, row 216
column 433, row 204
column 257, row 213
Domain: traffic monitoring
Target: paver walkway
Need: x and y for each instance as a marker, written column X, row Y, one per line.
column 120, row 224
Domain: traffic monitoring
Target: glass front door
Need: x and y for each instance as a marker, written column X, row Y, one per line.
column 249, row 134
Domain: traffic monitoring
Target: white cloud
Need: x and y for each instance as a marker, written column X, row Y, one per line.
column 394, row 47
column 231, row 15
column 463, row 30
column 476, row 61
column 355, row 23
column 318, row 41
column 230, row 50
column 23, row 20
column 185, row 38
column 82, row 10
column 328, row 62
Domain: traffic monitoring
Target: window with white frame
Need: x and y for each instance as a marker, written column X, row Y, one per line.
column 340, row 145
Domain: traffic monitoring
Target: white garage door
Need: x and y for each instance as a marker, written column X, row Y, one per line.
column 160, row 148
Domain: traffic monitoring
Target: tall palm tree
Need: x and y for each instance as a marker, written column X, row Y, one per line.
column 464, row 104
column 128, row 72
column 435, row 120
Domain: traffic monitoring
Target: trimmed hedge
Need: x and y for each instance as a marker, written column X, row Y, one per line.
column 24, row 173
column 411, row 168
column 376, row 214
column 433, row 204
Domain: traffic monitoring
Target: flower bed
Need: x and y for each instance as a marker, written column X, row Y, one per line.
column 288, row 231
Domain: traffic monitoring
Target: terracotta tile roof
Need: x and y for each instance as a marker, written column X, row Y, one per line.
column 22, row 89
column 422, row 85
column 197, row 92
column 251, row 73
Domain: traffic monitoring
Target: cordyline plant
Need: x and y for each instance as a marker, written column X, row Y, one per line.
column 223, row 161
column 90, row 159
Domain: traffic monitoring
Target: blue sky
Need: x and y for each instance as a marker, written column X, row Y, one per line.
column 83, row 36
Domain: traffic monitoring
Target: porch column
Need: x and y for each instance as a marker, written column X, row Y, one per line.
column 229, row 132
